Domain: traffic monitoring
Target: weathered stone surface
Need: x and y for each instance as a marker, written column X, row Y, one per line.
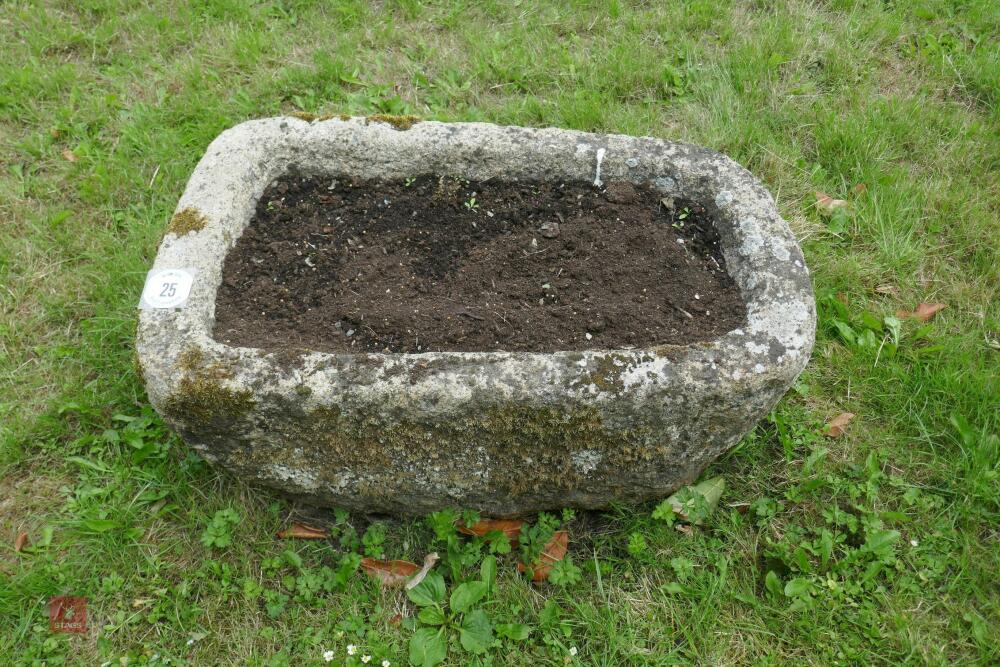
column 504, row 433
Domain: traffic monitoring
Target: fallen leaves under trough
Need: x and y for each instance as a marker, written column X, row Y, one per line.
column 301, row 531
column 555, row 551
column 398, row 573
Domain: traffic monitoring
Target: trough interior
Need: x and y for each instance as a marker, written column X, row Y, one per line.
column 437, row 263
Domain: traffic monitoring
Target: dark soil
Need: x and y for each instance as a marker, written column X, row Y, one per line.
column 431, row 264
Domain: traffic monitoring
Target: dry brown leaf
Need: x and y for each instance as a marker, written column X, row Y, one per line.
column 69, row 155
column 684, row 528
column 924, row 312
column 429, row 561
column 889, row 290
column 860, row 189
column 826, row 205
column 838, row 425
column 20, row 541
column 392, row 573
column 301, row 531
column 509, row 527
column 395, row 619
column 741, row 508
column 554, row 552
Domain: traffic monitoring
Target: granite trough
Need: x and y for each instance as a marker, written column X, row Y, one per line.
column 503, row 433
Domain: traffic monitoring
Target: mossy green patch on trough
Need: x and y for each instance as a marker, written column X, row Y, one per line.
column 185, row 221
column 398, row 122
column 385, row 457
column 202, row 399
column 310, row 117
column 607, row 370
column 137, row 366
column 191, row 359
column 200, row 402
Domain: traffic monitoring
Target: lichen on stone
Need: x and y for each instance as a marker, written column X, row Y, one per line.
column 404, row 122
column 186, row 220
column 607, row 371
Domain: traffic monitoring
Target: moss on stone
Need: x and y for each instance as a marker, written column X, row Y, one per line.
column 398, row 122
column 202, row 399
column 186, row 220
column 310, row 117
column 137, row 365
column 289, row 357
column 191, row 359
column 511, row 440
column 201, row 402
column 607, row 374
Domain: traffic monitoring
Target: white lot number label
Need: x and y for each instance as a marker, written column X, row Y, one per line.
column 167, row 288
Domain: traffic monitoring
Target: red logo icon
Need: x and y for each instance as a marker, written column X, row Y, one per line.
column 68, row 614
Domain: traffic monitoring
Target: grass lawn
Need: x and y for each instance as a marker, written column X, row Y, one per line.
column 878, row 547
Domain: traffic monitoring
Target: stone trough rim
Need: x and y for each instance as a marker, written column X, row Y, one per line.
column 205, row 340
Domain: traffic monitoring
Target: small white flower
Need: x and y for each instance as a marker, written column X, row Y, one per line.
column 190, row 642
column 572, row 650
column 386, row 663
column 351, row 649
column 366, row 659
column 914, row 543
column 327, row 656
